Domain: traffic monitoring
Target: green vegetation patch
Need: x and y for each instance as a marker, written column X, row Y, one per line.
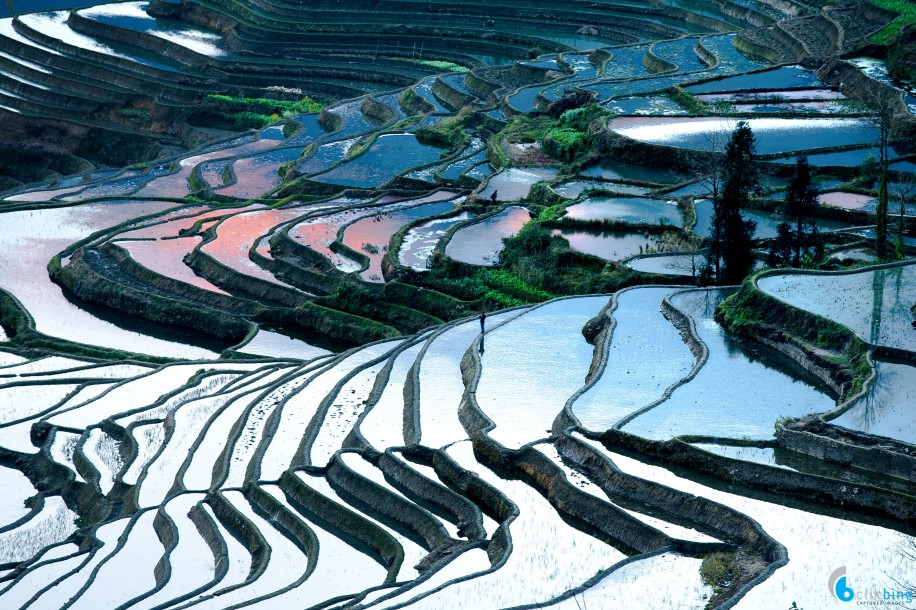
column 244, row 113
column 135, row 115
column 263, row 105
column 718, row 570
column 450, row 132
column 497, row 288
column 565, row 143
column 569, row 137
column 686, row 100
column 444, row 65
column 907, row 10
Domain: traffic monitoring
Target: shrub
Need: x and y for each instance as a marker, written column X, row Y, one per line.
column 533, row 239
column 718, row 570
column 135, row 115
column 565, row 143
column 243, row 121
column 582, row 118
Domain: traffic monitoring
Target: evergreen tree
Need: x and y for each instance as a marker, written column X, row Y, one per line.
column 782, row 248
column 801, row 201
column 733, row 240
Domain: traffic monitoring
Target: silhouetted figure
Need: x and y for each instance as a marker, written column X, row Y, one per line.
column 493, row 198
column 483, row 319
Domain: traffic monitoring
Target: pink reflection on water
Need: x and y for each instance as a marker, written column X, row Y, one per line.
column 319, row 236
column 213, row 177
column 176, row 185
column 371, row 236
column 237, row 234
column 36, row 236
column 253, row 177
column 166, row 257
column 174, row 223
column 802, row 94
column 319, row 233
column 846, row 201
column 45, row 195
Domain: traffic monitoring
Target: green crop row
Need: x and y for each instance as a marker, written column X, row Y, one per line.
column 444, row 65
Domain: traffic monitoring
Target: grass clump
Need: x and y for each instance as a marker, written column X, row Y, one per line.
column 718, row 570
column 496, row 287
column 508, row 283
column 135, row 115
column 686, row 100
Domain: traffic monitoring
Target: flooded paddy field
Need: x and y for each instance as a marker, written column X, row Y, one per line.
column 873, row 303
column 627, row 209
column 481, row 243
column 627, row 389
column 609, row 245
column 773, row 135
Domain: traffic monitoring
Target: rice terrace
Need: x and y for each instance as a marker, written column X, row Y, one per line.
column 446, row 305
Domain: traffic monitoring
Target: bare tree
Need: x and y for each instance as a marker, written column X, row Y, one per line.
column 902, row 190
column 886, row 102
column 906, row 549
column 707, row 167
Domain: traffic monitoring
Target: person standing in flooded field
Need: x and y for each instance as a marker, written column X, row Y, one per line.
column 483, row 319
column 493, row 198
